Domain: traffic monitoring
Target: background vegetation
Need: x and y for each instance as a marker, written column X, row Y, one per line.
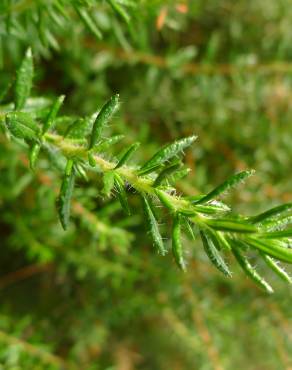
column 97, row 296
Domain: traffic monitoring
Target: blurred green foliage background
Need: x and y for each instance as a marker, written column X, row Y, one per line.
column 97, row 296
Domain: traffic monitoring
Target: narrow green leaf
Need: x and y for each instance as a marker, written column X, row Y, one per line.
column 64, row 200
column 127, row 154
column 23, row 81
column 89, row 22
column 53, row 113
column 103, row 117
column 153, row 227
column 271, row 213
column 187, row 227
column 221, row 240
column 148, row 170
column 108, row 183
column 226, row 186
column 119, row 183
column 276, row 268
column 277, row 234
column 273, row 248
column 120, row 10
column 214, row 255
column 81, row 171
column 177, row 248
column 34, row 154
column 235, row 226
column 251, row 271
column 211, row 209
column 167, row 152
column 22, row 125
column 165, row 173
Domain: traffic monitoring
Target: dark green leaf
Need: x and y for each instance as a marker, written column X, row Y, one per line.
column 165, row 173
column 119, row 183
column 153, row 227
column 127, row 154
column 226, row 185
column 102, row 119
column 271, row 213
column 213, row 254
column 166, row 153
column 64, row 200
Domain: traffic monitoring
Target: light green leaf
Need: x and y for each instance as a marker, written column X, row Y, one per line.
column 22, row 125
column 177, row 248
column 23, row 81
column 276, row 268
column 272, row 247
column 108, row 183
column 34, row 154
column 230, row 225
column 89, row 21
column 250, row 270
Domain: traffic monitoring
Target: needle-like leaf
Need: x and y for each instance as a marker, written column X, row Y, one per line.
column 226, row 186
column 102, row 119
column 276, row 268
column 251, row 271
column 53, row 113
column 166, row 153
column 119, row 183
column 153, row 227
column 213, row 254
column 177, row 248
column 23, row 81
column 64, row 200
column 127, row 154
